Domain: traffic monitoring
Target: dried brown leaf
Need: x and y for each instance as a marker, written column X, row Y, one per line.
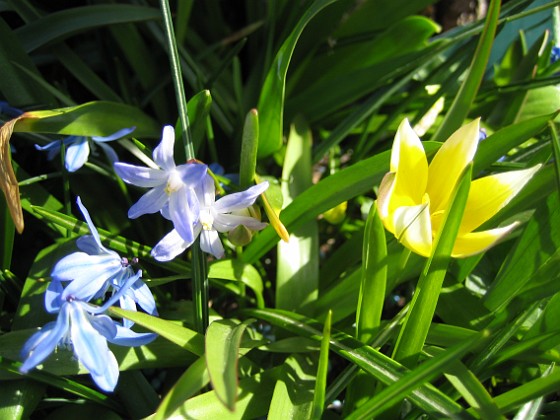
column 8, row 180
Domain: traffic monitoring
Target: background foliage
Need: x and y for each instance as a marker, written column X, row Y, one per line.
column 330, row 81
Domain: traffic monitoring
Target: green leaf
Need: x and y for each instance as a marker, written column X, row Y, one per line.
column 249, row 147
column 64, row 384
column 374, row 278
column 237, row 271
column 540, row 101
column 502, row 141
column 198, row 109
column 7, row 235
column 292, row 396
column 510, row 400
column 297, row 278
column 19, row 398
column 100, row 118
column 375, row 15
column 223, row 338
column 191, row 382
column 385, row 369
column 137, row 394
column 350, row 72
column 473, row 391
column 532, row 262
column 371, row 299
column 427, row 371
column 255, row 393
column 271, row 101
column 183, row 337
column 463, row 100
column 14, row 85
column 322, row 370
column 59, row 25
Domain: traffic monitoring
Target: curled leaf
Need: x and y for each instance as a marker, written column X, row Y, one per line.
column 8, row 180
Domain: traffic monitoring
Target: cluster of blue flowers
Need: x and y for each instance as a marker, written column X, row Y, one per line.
column 91, row 274
column 184, row 194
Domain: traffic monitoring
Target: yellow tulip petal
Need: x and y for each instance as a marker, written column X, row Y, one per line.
column 384, row 198
column 449, row 162
column 410, row 165
column 476, row 242
column 490, row 194
column 413, row 228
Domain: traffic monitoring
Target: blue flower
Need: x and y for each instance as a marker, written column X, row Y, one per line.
column 83, row 328
column 8, row 110
column 171, row 186
column 95, row 269
column 554, row 54
column 78, row 148
column 214, row 216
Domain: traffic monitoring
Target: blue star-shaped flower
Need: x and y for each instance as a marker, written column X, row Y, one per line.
column 214, row 216
column 78, row 148
column 83, row 327
column 94, row 270
column 171, row 186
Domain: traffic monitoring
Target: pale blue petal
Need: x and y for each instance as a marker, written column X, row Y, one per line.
column 90, row 224
column 89, row 245
column 163, row 153
column 87, row 272
column 117, row 135
column 122, row 290
column 170, row 246
column 129, row 338
column 107, row 380
column 211, row 244
column 165, row 211
column 90, row 347
column 140, row 176
column 109, row 152
column 192, row 174
column 240, row 200
column 80, row 265
column 77, row 154
column 104, row 325
column 206, row 191
column 151, row 202
column 182, row 216
column 144, row 297
column 227, row 222
column 52, row 149
column 127, row 302
column 53, row 297
column 41, row 344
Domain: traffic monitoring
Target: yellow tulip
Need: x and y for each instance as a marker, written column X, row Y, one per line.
column 414, row 196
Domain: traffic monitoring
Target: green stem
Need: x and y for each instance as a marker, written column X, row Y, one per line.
column 200, row 288
column 177, row 79
column 65, row 185
column 200, row 269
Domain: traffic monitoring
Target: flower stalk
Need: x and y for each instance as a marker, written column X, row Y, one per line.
column 200, row 279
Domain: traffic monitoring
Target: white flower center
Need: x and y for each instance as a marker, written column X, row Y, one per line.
column 174, row 183
column 206, row 219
